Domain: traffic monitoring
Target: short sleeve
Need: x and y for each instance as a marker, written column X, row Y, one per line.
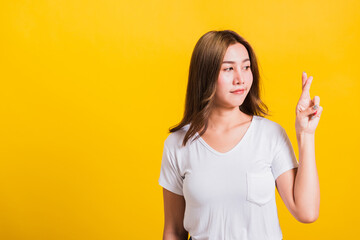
column 284, row 158
column 170, row 177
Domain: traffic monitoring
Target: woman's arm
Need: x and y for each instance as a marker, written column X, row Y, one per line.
column 299, row 188
column 174, row 209
column 306, row 187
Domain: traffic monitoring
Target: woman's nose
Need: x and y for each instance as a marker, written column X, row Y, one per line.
column 238, row 78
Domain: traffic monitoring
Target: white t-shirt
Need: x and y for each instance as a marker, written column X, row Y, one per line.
column 229, row 196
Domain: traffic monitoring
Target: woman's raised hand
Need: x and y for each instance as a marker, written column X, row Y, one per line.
column 307, row 111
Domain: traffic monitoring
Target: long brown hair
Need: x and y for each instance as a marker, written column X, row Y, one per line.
column 204, row 70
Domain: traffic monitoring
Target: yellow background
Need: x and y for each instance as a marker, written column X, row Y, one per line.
column 89, row 89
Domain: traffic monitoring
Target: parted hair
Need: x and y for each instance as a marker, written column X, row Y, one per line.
column 205, row 65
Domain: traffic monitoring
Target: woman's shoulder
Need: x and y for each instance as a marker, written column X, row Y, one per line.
column 175, row 139
column 268, row 125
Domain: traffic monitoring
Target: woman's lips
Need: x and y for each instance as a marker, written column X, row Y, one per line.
column 239, row 91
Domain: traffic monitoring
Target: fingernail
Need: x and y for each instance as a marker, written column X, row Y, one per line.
column 315, row 107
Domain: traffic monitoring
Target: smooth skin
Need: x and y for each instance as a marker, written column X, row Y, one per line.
column 174, row 209
column 298, row 187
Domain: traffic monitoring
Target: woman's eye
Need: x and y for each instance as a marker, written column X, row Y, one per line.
column 231, row 68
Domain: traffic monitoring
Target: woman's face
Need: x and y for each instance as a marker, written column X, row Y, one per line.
column 235, row 73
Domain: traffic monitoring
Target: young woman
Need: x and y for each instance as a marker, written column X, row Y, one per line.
column 222, row 162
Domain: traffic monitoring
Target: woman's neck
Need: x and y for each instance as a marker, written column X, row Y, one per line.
column 222, row 120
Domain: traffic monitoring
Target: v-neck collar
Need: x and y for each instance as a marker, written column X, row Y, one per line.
column 242, row 140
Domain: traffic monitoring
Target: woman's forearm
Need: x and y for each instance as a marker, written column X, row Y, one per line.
column 171, row 236
column 306, row 187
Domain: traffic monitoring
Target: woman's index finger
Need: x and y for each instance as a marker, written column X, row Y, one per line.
column 307, row 85
column 304, row 77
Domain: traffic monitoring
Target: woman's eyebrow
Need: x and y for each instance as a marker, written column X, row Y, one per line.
column 234, row 62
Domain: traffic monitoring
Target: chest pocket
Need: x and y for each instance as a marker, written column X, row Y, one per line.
column 260, row 187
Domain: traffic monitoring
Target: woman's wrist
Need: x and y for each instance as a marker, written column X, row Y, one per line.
column 304, row 134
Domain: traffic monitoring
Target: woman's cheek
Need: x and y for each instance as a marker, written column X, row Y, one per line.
column 222, row 82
